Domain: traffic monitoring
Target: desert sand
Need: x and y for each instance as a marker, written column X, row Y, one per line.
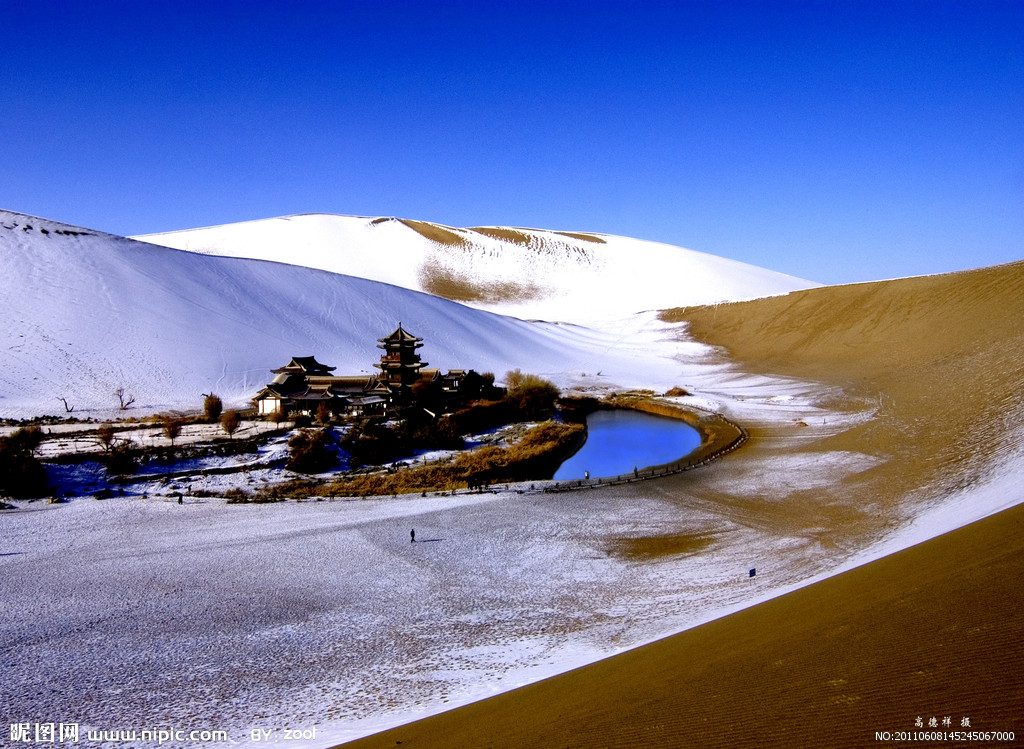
column 928, row 632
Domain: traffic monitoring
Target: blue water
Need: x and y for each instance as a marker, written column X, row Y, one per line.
column 621, row 439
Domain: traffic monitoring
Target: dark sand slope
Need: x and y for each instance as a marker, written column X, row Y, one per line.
column 940, row 359
column 942, row 356
column 934, row 630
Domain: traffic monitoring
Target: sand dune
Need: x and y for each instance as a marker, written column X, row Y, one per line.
column 940, row 356
column 87, row 312
column 931, row 631
column 530, row 273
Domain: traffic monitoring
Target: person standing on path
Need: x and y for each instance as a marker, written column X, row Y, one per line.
column 412, row 536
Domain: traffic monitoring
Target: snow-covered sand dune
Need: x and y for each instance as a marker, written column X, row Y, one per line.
column 87, row 313
column 576, row 277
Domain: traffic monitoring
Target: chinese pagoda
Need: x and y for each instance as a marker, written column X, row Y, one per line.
column 400, row 365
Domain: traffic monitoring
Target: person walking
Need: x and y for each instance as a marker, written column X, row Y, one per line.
column 412, row 536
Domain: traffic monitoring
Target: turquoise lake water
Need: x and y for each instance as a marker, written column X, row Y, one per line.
column 621, row 439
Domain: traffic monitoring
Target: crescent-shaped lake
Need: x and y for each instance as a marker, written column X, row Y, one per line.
column 619, row 440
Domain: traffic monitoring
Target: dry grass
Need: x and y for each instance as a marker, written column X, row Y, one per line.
column 435, row 477
column 648, row 548
column 453, row 237
column 515, row 236
column 540, row 243
column 535, row 456
column 437, row 233
column 582, row 237
column 437, row 278
column 443, row 282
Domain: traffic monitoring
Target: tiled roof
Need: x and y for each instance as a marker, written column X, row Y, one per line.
column 400, row 335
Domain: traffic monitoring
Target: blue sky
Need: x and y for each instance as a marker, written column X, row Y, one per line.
column 837, row 141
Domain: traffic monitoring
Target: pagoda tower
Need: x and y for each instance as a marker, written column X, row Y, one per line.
column 400, row 364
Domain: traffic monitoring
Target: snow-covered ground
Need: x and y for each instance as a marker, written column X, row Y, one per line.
column 322, row 615
column 137, row 612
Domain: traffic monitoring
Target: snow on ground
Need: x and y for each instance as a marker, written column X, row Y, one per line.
column 323, row 615
column 998, row 490
column 73, row 438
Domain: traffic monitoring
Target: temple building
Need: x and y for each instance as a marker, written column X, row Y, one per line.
column 304, row 383
column 301, row 385
column 400, row 365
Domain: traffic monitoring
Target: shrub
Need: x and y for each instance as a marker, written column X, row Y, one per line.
column 429, row 394
column 373, row 443
column 236, row 496
column 472, row 385
column 538, row 453
column 21, row 473
column 212, row 407
column 311, row 451
column 525, row 457
column 532, row 396
column 230, row 422
column 26, row 439
column 480, row 417
column 105, row 434
column 122, row 459
column 513, row 379
column 171, row 426
column 440, row 434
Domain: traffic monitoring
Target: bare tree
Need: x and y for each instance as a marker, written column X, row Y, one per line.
column 124, row 398
column 105, row 434
column 172, row 427
column 230, row 422
column 67, row 408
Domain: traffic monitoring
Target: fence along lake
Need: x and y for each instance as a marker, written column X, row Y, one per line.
column 619, row 440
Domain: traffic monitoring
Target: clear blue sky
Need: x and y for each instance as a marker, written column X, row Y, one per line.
column 837, row 141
